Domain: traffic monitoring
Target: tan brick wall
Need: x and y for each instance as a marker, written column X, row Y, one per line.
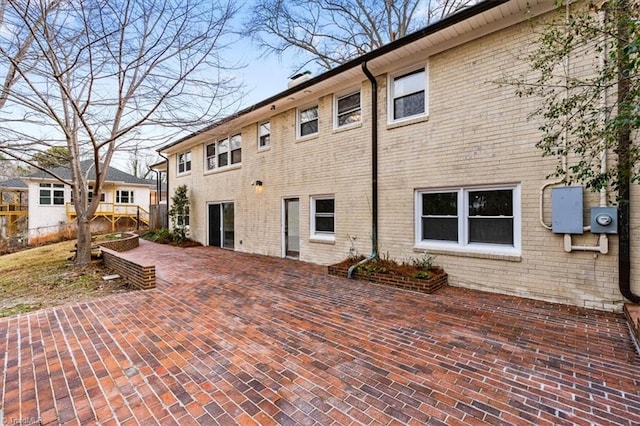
column 477, row 133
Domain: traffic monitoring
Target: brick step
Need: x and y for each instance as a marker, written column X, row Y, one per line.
column 632, row 313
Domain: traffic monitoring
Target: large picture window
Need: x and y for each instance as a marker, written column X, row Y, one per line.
column 408, row 94
column 308, row 121
column 347, row 110
column 323, row 217
column 51, row 194
column 483, row 219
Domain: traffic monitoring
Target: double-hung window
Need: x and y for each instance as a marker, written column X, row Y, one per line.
column 348, row 110
column 323, row 217
column 264, row 135
column 308, row 121
column 184, row 162
column 236, row 149
column 124, row 196
column 51, row 194
column 408, row 95
column 469, row 219
column 223, row 153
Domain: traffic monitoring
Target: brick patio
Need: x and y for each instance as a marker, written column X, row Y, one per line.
column 229, row 338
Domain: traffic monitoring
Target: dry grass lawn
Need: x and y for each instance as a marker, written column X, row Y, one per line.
column 42, row 277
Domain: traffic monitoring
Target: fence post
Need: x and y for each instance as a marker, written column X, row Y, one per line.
column 138, row 219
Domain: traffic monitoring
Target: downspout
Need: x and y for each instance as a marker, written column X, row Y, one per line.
column 374, row 171
column 166, row 161
column 624, row 161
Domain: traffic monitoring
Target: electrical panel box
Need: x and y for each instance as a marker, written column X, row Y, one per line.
column 567, row 210
column 604, row 220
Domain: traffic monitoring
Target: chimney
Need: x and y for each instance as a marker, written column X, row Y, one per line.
column 298, row 78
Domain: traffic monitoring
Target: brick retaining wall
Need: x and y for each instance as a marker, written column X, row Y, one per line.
column 142, row 277
column 129, row 242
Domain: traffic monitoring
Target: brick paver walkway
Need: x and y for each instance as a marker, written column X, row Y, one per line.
column 228, row 338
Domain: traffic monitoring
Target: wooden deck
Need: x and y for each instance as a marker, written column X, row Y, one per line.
column 114, row 212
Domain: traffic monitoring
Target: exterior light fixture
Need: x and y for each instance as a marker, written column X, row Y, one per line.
column 258, row 185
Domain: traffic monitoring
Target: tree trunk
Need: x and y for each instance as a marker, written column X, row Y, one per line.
column 83, row 253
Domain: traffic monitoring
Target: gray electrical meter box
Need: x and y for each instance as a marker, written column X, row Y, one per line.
column 604, row 220
column 567, row 210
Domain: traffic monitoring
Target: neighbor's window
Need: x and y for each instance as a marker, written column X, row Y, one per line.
column 124, row 196
column 487, row 219
column 308, row 121
column 408, row 94
column 347, row 109
column 184, row 162
column 90, row 195
column 51, row 194
column 264, row 135
column 323, row 217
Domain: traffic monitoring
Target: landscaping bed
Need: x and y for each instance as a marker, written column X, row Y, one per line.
column 417, row 275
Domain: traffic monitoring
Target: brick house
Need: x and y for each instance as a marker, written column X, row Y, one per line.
column 451, row 151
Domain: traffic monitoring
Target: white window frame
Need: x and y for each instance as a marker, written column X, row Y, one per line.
column 130, row 196
column 299, row 121
column 463, row 228
column 90, row 194
column 52, row 189
column 392, row 95
column 184, row 159
column 229, row 140
column 322, row 235
column 336, row 100
column 266, row 136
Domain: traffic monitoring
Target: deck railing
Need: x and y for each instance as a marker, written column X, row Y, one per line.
column 115, row 211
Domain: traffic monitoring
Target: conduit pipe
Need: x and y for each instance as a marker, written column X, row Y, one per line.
column 374, row 171
column 603, row 241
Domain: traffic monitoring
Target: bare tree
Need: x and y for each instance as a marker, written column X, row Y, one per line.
column 331, row 32
column 96, row 73
column 140, row 160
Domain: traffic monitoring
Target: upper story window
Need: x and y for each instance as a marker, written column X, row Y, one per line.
column 308, row 121
column 264, row 135
column 472, row 219
column 184, row 162
column 408, row 95
column 124, row 196
column 51, row 194
column 348, row 110
column 223, row 153
column 323, row 217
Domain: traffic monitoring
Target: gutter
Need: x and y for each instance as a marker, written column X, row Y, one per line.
column 624, row 163
column 166, row 160
column 374, row 171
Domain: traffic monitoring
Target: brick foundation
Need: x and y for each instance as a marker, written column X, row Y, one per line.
column 431, row 285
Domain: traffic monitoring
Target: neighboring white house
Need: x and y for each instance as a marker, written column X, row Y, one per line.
column 124, row 203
